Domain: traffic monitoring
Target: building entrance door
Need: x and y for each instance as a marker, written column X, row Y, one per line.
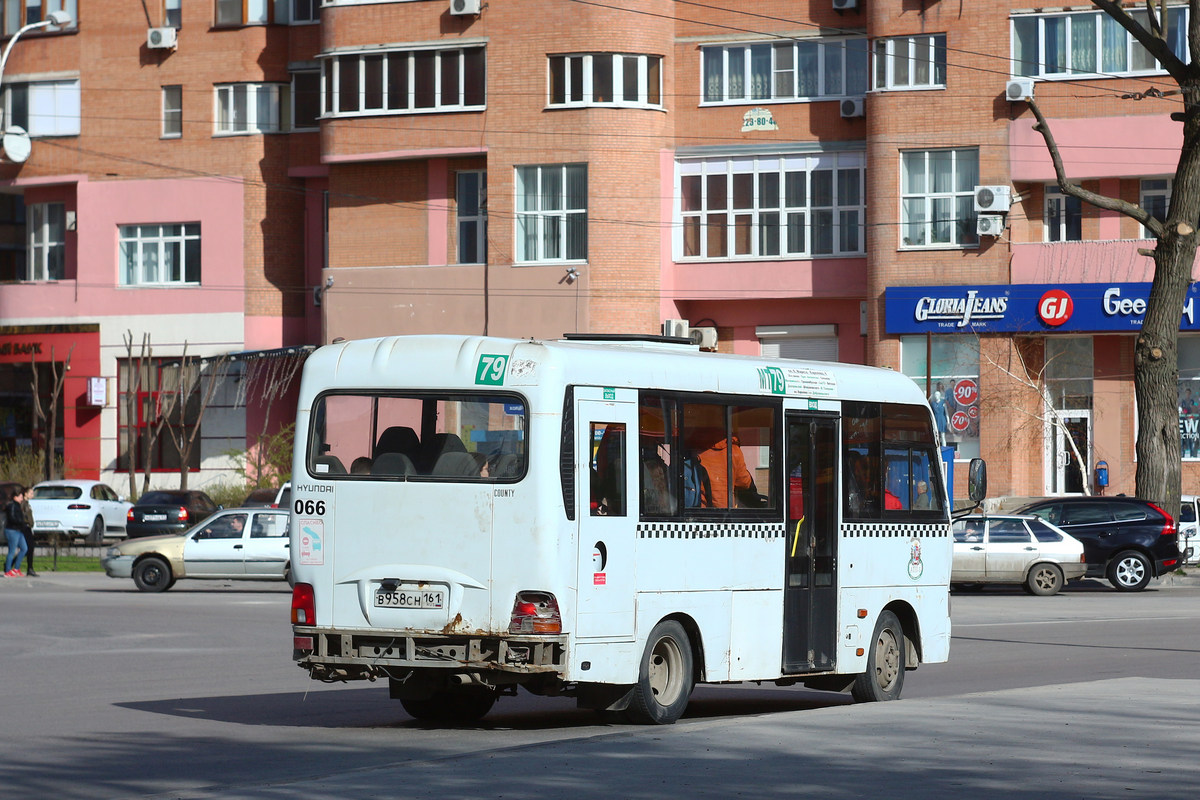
column 1068, row 474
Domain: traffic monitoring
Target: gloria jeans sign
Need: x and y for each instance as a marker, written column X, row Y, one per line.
column 1073, row 307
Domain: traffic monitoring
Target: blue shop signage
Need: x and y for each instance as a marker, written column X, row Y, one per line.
column 1049, row 308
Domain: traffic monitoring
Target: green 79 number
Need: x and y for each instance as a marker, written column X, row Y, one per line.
column 490, row 371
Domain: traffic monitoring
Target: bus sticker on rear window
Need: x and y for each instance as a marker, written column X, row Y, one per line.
column 491, row 370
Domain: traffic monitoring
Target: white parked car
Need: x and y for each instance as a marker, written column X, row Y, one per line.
column 1015, row 549
column 235, row 543
column 68, row 510
column 1189, row 527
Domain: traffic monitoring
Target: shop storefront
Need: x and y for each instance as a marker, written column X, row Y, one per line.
column 1050, row 365
column 50, row 350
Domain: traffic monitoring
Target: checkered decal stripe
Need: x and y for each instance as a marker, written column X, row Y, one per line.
column 878, row 530
column 709, row 530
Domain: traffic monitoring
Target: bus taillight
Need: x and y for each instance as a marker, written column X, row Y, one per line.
column 534, row 612
column 303, row 605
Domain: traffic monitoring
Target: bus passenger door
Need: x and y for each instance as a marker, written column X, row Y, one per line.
column 606, row 453
column 810, row 590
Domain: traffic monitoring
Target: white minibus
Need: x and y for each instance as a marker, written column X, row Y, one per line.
column 614, row 518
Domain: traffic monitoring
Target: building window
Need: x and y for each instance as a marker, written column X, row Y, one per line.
column 306, row 10
column 158, row 255
column 306, row 100
column 785, row 206
column 172, row 112
column 937, row 202
column 1064, row 216
column 911, row 62
column 18, row 13
column 43, row 108
column 252, row 107
column 405, row 81
column 243, row 12
column 173, row 13
column 156, row 390
column 807, row 69
column 471, row 196
column 951, row 375
column 1155, row 199
column 1089, row 43
column 612, row 79
column 1189, row 396
column 14, row 251
column 47, row 233
column 551, row 209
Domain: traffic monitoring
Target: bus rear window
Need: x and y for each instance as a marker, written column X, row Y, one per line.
column 425, row 436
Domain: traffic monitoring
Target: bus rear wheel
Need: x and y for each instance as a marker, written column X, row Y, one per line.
column 454, row 706
column 884, row 677
column 665, row 677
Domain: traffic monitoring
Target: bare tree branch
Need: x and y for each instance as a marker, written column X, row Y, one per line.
column 1154, row 38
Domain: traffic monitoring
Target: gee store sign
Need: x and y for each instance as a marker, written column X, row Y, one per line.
column 1072, row 307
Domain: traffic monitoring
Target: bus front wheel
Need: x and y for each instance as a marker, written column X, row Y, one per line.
column 884, row 677
column 665, row 677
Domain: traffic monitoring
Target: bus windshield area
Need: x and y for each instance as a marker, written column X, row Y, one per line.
column 456, row 437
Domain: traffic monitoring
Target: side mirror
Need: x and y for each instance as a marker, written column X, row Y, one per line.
column 977, row 480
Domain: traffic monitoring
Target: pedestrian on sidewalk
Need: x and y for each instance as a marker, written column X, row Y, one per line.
column 17, row 532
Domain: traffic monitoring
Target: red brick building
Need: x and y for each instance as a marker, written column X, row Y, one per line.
column 796, row 179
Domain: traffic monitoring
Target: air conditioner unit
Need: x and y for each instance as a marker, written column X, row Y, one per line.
column 845, row 5
column 1019, row 89
column 853, row 107
column 464, row 8
column 989, row 225
column 993, row 199
column 161, row 38
column 704, row 337
column 675, row 327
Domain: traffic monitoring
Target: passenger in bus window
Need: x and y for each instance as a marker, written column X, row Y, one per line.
column 361, row 465
column 921, row 499
column 714, row 457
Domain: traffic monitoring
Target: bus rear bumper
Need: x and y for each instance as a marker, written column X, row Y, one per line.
column 336, row 655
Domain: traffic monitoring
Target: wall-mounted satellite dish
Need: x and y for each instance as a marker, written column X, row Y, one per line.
column 16, row 144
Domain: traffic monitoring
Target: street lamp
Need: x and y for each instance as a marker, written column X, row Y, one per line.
column 59, row 18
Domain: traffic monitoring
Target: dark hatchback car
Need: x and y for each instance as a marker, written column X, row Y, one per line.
column 167, row 511
column 1125, row 539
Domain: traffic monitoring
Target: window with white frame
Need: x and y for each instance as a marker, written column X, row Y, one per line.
column 1155, row 198
column 173, row 13
column 806, row 69
column 471, row 197
column 1089, row 43
column 1064, row 216
column 778, row 206
column 160, row 255
column 18, row 13
column 405, row 81
column 47, row 236
column 243, row 12
column 306, row 99
column 938, row 197
column 1189, row 396
column 551, row 206
column 252, row 107
column 606, row 79
column 172, row 112
column 44, row 108
column 911, row 62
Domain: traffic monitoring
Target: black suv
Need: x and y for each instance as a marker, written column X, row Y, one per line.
column 1127, row 540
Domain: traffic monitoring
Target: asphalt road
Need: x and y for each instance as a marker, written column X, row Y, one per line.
column 112, row 693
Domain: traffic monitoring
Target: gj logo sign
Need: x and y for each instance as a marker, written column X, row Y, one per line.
column 1055, row 307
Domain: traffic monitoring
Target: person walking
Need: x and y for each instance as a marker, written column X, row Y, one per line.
column 29, row 545
column 16, row 531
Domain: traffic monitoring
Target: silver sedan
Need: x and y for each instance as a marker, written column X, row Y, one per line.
column 1015, row 549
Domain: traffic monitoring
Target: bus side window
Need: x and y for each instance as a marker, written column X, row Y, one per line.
column 608, row 469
